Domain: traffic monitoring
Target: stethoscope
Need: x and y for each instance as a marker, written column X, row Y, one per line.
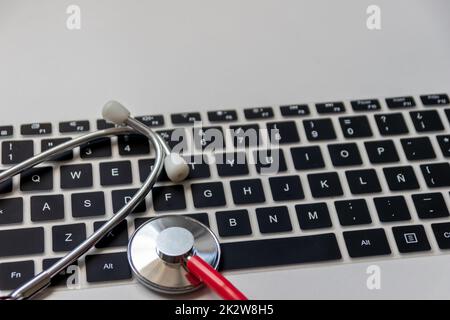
column 171, row 254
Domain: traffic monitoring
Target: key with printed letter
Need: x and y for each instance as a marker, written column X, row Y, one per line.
column 122, row 197
column 76, row 176
column 313, row 216
column 168, row 198
column 307, row 158
column 363, row 181
column 325, row 185
column 401, row 178
column 273, row 219
column 88, row 204
column 382, row 151
column 247, row 191
column 233, row 223
column 68, row 237
column 47, row 208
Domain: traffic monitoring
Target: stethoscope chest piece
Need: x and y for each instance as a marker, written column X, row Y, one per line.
column 159, row 248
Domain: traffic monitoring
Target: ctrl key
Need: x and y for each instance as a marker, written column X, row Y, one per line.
column 366, row 243
column 14, row 274
column 107, row 267
column 442, row 234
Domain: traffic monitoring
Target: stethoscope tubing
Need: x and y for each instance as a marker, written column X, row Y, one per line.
column 43, row 279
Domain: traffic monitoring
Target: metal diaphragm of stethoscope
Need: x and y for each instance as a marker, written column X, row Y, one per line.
column 171, row 254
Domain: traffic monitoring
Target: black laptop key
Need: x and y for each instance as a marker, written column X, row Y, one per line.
column 99, row 148
column 201, row 217
column 330, row 107
column 325, row 185
column 198, row 168
column 117, row 237
column 222, row 116
column 47, row 208
column 426, row 121
column 286, row 188
column 115, row 173
column 151, row 121
column 247, row 191
column 345, row 154
column 392, row 209
column 366, row 105
column 133, row 144
column 103, row 124
column 418, row 148
column 295, row 110
column 68, row 237
column 401, row 178
column 34, row 129
column 231, row 164
column 366, row 243
column 233, row 223
column 14, row 274
column 168, row 198
column 273, row 219
column 436, row 175
column 107, row 267
column 258, row 113
column 279, row 252
column 20, row 242
column 74, row 126
column 319, row 129
column 210, row 138
column 185, row 118
column 37, row 179
column 209, row 194
column 435, row 99
column 146, row 166
column 122, row 197
column 313, row 216
column 14, row 152
column 411, row 239
column 282, row 132
column 175, row 138
column 400, row 102
column 353, row 212
column 430, row 205
column 363, row 181
column 442, row 234
column 391, row 124
column 62, row 278
column 444, row 144
column 88, row 204
column 76, row 176
column 307, row 158
column 381, row 151
column 355, row 127
column 11, row 210
column 47, row 144
column 6, row 131
column 6, row 186
column 245, row 136
column 269, row 161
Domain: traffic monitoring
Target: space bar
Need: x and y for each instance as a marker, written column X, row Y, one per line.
column 276, row 252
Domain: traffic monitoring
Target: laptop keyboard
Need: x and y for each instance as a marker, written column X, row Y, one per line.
column 362, row 179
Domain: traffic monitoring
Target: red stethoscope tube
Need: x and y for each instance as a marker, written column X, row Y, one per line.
column 213, row 279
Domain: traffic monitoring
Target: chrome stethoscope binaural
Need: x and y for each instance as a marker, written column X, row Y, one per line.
column 169, row 254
